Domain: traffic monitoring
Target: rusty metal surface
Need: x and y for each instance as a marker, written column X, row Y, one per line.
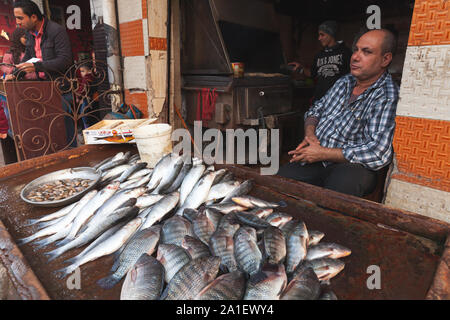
column 21, row 277
column 408, row 262
column 440, row 289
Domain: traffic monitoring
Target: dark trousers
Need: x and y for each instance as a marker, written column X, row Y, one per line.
column 348, row 178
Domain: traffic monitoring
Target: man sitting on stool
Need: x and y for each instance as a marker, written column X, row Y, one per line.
column 349, row 131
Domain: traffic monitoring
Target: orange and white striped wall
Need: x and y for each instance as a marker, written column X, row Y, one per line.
column 421, row 179
column 143, row 37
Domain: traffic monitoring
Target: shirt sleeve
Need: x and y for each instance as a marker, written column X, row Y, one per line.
column 377, row 151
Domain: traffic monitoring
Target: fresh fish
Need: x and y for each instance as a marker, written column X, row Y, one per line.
column 219, row 175
column 140, row 182
column 91, row 207
column 325, row 268
column 304, row 286
column 187, row 165
column 246, row 251
column 296, row 247
column 109, row 246
column 57, row 236
column 289, row 227
column 173, row 258
column 132, row 169
column 203, row 228
column 145, row 241
column 98, row 165
column 214, row 216
column 190, row 181
column 144, row 281
column 229, row 223
column 117, row 160
column 274, row 245
column 190, row 214
column 268, row 284
column 192, row 278
column 134, row 157
column 222, row 245
column 278, row 219
column 261, row 213
column 244, row 188
column 114, row 172
column 174, row 230
column 105, row 235
column 252, row 202
column 161, row 209
column 170, row 174
column 116, row 201
column 195, row 247
column 252, row 232
column 128, row 183
column 148, row 200
column 226, row 208
column 198, row 194
column 94, row 230
column 227, row 177
column 68, row 218
column 159, row 171
column 251, row 220
column 51, row 217
column 221, row 190
column 229, row 286
column 141, row 173
column 327, row 250
column 315, row 237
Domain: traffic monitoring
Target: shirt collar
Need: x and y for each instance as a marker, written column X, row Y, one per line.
column 41, row 30
column 381, row 80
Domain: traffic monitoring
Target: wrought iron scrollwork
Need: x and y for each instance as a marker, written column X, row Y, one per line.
column 40, row 117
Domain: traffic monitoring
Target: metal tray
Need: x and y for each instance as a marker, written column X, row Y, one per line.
column 71, row 173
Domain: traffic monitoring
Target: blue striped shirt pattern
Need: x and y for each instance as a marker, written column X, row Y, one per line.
column 363, row 129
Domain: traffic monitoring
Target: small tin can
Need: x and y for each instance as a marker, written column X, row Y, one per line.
column 238, row 69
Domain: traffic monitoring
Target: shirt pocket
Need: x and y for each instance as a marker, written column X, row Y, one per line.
column 351, row 125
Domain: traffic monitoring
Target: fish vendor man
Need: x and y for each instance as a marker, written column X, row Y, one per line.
column 349, row 131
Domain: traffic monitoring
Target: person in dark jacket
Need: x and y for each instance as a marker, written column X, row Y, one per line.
column 49, row 46
column 329, row 64
column 47, row 41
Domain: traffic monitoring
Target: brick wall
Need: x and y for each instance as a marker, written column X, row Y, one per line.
column 421, row 179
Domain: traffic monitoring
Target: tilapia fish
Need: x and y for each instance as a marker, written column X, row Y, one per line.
column 229, row 286
column 274, row 245
column 325, row 268
column 268, row 284
column 145, row 241
column 246, row 251
column 296, row 244
column 173, row 258
column 174, row 230
column 304, row 286
column 244, row 188
column 222, row 245
column 327, row 250
column 252, row 202
column 278, row 219
column 203, row 228
column 251, row 220
column 315, row 237
column 195, row 247
column 144, row 281
column 192, row 278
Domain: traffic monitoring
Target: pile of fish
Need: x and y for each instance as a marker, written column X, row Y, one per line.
column 58, row 190
column 183, row 230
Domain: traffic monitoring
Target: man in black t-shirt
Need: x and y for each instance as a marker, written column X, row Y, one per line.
column 329, row 64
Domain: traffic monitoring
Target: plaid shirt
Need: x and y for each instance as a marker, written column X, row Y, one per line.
column 363, row 129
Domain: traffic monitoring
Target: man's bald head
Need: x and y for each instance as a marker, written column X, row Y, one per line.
column 389, row 41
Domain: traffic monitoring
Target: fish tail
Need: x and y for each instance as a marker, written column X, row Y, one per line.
column 108, row 282
column 41, row 243
column 52, row 255
column 71, row 260
column 63, row 242
column 62, row 273
column 31, row 222
column 282, row 204
column 26, row 240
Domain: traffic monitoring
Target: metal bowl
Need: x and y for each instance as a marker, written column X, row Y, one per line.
column 72, row 173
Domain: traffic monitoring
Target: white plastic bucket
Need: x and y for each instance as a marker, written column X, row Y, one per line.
column 153, row 142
